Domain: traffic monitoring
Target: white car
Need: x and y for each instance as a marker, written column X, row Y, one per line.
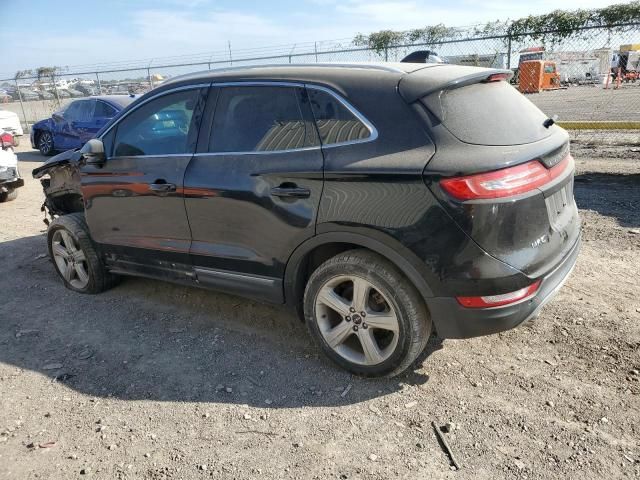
column 10, row 122
column 10, row 179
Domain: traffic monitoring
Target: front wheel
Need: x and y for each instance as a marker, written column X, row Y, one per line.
column 75, row 257
column 365, row 314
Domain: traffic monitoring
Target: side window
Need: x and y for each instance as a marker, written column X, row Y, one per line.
column 104, row 110
column 164, row 126
column 107, row 141
column 335, row 122
column 85, row 110
column 258, row 119
column 72, row 112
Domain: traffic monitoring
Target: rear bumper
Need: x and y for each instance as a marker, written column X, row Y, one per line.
column 454, row 321
column 7, row 185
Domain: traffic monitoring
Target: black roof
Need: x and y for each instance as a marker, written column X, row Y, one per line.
column 302, row 72
column 413, row 79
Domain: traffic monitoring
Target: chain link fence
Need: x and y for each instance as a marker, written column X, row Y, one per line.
column 589, row 81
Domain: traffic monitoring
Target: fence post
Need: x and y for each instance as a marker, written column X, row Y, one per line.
column 55, row 88
column 149, row 77
column 315, row 48
column 386, row 54
column 99, row 84
column 230, row 57
column 509, row 50
column 24, row 114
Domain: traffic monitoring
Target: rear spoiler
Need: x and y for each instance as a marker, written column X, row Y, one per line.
column 426, row 81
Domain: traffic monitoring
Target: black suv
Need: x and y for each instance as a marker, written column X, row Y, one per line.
column 381, row 201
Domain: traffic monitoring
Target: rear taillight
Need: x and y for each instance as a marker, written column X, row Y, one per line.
column 6, row 140
column 498, row 77
column 500, row 300
column 504, row 183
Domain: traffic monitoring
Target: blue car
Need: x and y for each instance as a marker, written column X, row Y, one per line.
column 71, row 126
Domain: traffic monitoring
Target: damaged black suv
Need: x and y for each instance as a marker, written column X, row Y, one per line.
column 380, row 201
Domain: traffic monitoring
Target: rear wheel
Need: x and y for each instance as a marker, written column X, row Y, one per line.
column 45, row 143
column 365, row 314
column 75, row 257
column 8, row 196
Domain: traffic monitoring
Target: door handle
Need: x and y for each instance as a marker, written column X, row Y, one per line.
column 292, row 191
column 160, row 186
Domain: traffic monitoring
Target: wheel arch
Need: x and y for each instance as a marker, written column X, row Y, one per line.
column 39, row 130
column 325, row 245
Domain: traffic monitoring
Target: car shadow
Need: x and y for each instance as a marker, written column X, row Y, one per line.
column 611, row 194
column 31, row 156
column 150, row 340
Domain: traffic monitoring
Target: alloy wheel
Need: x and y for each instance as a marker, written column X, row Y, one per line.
column 356, row 320
column 70, row 259
column 45, row 143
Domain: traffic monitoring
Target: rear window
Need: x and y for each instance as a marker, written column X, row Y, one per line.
column 336, row 124
column 492, row 113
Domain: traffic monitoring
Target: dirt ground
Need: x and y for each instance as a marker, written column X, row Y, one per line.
column 157, row 381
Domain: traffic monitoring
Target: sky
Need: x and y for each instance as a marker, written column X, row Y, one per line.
column 87, row 32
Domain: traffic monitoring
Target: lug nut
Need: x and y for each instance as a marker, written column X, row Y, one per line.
column 363, row 314
column 355, row 328
column 365, row 326
column 347, row 318
column 351, row 309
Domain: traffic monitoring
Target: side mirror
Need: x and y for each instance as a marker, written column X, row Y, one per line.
column 93, row 152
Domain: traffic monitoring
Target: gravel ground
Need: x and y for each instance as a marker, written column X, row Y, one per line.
column 157, row 381
column 591, row 102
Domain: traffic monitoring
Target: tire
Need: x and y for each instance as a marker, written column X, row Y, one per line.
column 45, row 143
column 399, row 323
column 8, row 196
column 74, row 256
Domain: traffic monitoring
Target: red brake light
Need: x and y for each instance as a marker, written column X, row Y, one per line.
column 6, row 140
column 499, row 300
column 497, row 77
column 504, row 183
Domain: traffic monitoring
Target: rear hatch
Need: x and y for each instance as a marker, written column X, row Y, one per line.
column 502, row 175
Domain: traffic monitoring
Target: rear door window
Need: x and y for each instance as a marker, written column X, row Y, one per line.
column 335, row 122
column 259, row 119
column 103, row 110
column 491, row 113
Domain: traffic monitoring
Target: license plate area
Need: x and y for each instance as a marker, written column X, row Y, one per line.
column 559, row 206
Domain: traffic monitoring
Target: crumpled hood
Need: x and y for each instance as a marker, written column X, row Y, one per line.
column 60, row 159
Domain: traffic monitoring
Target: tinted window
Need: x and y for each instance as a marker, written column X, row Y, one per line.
column 335, row 122
column 257, row 119
column 104, row 110
column 161, row 127
column 491, row 113
column 85, row 110
column 72, row 112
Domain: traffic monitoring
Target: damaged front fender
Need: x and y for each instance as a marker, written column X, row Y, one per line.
column 60, row 179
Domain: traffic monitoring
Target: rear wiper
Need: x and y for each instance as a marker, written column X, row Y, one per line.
column 549, row 121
